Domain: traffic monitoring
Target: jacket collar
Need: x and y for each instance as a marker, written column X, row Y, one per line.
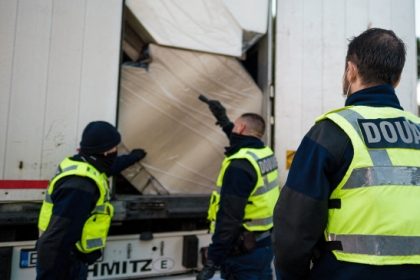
column 377, row 96
column 238, row 142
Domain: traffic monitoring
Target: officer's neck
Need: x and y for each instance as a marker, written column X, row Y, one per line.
column 358, row 85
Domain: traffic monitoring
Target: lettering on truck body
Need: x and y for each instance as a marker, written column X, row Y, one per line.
column 130, row 267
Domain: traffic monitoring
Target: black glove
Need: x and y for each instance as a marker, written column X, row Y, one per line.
column 219, row 112
column 208, row 270
column 140, row 153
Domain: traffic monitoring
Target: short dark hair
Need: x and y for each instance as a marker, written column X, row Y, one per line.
column 256, row 123
column 379, row 56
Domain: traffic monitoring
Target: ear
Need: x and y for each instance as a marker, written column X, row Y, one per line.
column 352, row 72
column 242, row 128
column 398, row 82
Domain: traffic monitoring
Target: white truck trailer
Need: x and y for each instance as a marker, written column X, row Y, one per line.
column 60, row 64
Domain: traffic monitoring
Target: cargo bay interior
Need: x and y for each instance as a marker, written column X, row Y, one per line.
column 168, row 60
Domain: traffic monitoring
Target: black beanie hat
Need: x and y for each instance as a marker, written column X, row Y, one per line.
column 99, row 137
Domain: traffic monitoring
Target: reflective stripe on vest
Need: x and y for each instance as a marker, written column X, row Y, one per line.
column 378, row 245
column 100, row 208
column 73, row 167
column 92, row 243
column 259, row 210
column 383, row 175
column 379, row 219
column 259, row 222
column 268, row 186
column 48, row 198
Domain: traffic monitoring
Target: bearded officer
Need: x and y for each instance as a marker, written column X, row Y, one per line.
column 350, row 203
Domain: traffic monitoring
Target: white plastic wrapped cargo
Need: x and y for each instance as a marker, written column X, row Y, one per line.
column 159, row 111
column 218, row 26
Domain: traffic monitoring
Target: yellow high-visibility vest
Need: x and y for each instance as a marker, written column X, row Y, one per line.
column 96, row 227
column 378, row 222
column 259, row 210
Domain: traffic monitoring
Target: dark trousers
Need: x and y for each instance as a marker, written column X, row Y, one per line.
column 252, row 266
column 78, row 271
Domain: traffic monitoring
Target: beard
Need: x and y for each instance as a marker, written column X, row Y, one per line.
column 346, row 84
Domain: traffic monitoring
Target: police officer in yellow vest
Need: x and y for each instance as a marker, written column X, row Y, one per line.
column 351, row 200
column 76, row 214
column 241, row 209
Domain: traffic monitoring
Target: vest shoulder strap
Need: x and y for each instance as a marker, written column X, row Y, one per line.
column 325, row 116
column 70, row 167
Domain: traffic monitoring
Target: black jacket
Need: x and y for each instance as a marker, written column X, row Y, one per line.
column 301, row 212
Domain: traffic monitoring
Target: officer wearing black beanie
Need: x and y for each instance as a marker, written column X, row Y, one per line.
column 74, row 198
column 99, row 137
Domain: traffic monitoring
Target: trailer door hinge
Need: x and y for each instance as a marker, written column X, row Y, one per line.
column 271, row 91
